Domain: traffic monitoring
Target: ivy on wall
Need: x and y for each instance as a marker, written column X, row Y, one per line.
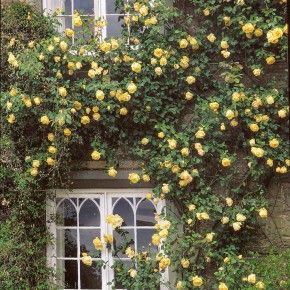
column 188, row 101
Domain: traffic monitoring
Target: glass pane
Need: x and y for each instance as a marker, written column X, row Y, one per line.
column 67, row 7
column 69, row 273
column 145, row 213
column 86, row 242
column 91, row 276
column 68, row 22
column 144, row 239
column 89, row 214
column 124, row 209
column 66, row 242
column 66, row 214
column 114, row 25
column 111, row 7
column 122, row 240
column 84, row 6
column 121, row 266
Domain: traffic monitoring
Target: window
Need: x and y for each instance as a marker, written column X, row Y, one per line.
column 93, row 9
column 80, row 217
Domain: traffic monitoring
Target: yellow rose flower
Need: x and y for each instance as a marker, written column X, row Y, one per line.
column 85, row 120
column 44, row 120
column 206, row 12
column 66, row 132
column 161, row 135
column 136, row 67
column 258, row 32
column 158, row 71
column 226, row 162
column 164, row 263
column 62, row 91
column 184, row 151
column 209, row 237
column 270, row 60
column 163, row 61
column 158, row 52
column 197, row 281
column 227, row 20
column 240, row 217
column 132, row 273
column 11, row 119
column 63, row 46
column 100, row 95
column 263, row 213
column 33, row 171
column 190, row 80
column 112, row 172
column 77, row 21
column 108, row 239
column 254, row 127
column 269, row 162
column 183, row 43
column 185, row 263
column 134, row 177
column 237, row 226
column 214, row 106
column 172, row 143
column 257, row 72
column 50, row 161
column 188, row 96
column 132, row 88
column 282, row 113
column 96, row 155
column 223, row 286
column 98, row 244
column 35, row 163
column 211, row 37
column 69, row 32
column 274, row 143
column 156, row 240
column 258, row 152
column 143, row 10
column 52, row 149
column 114, row 220
column 123, row 111
column 260, row 285
column 87, row 260
column 200, row 134
column 225, row 220
column 251, row 278
column 248, row 28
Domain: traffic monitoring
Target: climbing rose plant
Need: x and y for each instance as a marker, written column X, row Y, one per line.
column 188, row 96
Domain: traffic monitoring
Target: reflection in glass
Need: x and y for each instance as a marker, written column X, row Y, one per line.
column 144, row 238
column 122, row 240
column 145, row 213
column 111, row 7
column 91, row 277
column 84, row 6
column 124, row 209
column 66, row 242
column 86, row 242
column 114, row 26
column 68, row 270
column 67, row 7
column 89, row 214
column 66, row 214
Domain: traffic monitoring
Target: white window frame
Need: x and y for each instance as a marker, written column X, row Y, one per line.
column 106, row 196
column 100, row 10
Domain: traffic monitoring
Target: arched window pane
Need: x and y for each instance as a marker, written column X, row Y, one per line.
column 144, row 237
column 89, row 214
column 66, row 214
column 114, row 26
column 86, row 241
column 69, row 273
column 124, row 209
column 91, row 277
column 84, row 6
column 122, row 240
column 66, row 243
column 145, row 213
